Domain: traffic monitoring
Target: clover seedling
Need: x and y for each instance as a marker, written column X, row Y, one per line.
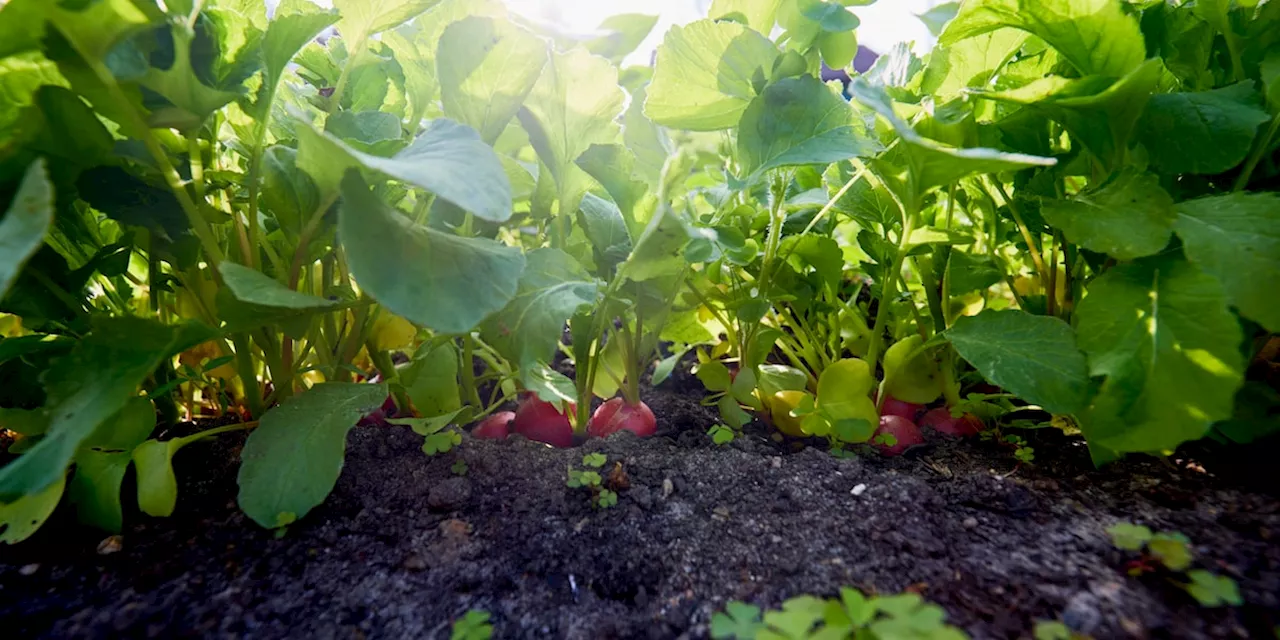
column 852, row 615
column 601, row 497
column 459, row 467
column 473, row 626
column 1172, row 552
column 721, row 434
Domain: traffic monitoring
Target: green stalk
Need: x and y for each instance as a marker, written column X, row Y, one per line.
column 932, row 295
column 1032, row 247
column 467, row 369
column 382, row 360
column 1260, row 151
column 354, row 52
column 248, row 374
column 889, row 288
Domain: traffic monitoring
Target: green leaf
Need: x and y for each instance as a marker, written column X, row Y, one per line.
column 931, row 163
column 85, row 388
column 1098, row 112
column 760, row 15
column 157, row 484
column 25, row 223
column 649, row 142
column 1203, row 133
column 431, row 381
column 91, row 27
column 487, row 67
column 288, row 194
column 623, row 34
column 911, row 373
column 969, row 63
column 548, row 384
column 705, row 75
column 614, row 167
column 254, row 287
column 606, row 229
column 1171, row 549
column 714, row 376
column 23, row 517
column 1160, row 333
column 799, row 121
column 1033, row 357
column 821, row 253
column 433, row 279
column 573, row 105
column 191, row 101
column 739, row 620
column 1096, row 36
column 102, row 461
column 292, row 460
column 1213, row 590
column 1129, row 217
column 367, row 131
column 448, row 160
column 286, row 35
column 363, row 18
column 1236, row 239
column 553, row 288
column 1128, row 536
column 937, row 17
column 20, row 76
column 844, row 391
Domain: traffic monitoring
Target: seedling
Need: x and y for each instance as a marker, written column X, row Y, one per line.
column 721, row 434
column 473, row 626
column 459, row 467
column 852, row 615
column 601, row 496
column 1170, row 553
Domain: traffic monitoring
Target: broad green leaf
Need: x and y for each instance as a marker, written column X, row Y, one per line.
column 102, row 461
column 821, row 253
column 623, row 34
column 1126, row 218
column 157, row 484
column 92, row 28
column 448, row 160
column 24, row 225
column 286, row 35
column 363, row 18
column 191, row 101
column 937, row 17
column 911, row 373
column 292, row 460
column 487, row 67
column 367, row 131
column 125, row 198
column 23, row 517
column 20, row 76
column 85, row 388
column 932, row 163
column 714, row 376
column 1096, row 36
column 1160, row 332
column 614, row 167
column 436, row 280
column 573, row 105
column 799, row 121
column 1033, row 357
column 549, row 385
column 288, row 194
column 760, row 15
column 968, row 272
column 254, row 287
column 843, row 388
column 970, row 63
column 1100, row 113
column 649, row 142
column 606, row 229
column 552, row 289
column 431, row 380
column 1206, row 132
column 1236, row 239
column 705, row 75
column 1128, row 536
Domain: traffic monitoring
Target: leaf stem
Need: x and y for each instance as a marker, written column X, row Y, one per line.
column 1260, row 151
column 888, row 288
column 1032, row 246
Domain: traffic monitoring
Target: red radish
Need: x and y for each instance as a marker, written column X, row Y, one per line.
column 942, row 421
column 901, row 408
column 616, row 415
column 541, row 421
column 903, row 430
column 495, row 427
column 378, row 417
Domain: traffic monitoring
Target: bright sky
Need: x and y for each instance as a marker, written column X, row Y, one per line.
column 884, row 23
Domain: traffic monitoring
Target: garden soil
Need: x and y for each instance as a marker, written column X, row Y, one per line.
column 404, row 546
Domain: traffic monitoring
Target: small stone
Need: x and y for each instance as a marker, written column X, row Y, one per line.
column 667, row 488
column 642, row 496
column 110, row 545
column 449, row 495
column 29, row 569
column 776, row 539
column 720, row 513
column 859, row 489
column 1082, row 614
column 970, row 522
column 415, row 562
column 776, row 462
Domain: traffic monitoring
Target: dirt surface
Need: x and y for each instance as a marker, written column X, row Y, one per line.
column 404, row 546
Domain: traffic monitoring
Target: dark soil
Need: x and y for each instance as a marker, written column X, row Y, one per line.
column 403, row 546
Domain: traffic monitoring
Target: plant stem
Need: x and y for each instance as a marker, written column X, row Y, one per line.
column 1260, row 151
column 1051, row 291
column 304, row 241
column 356, row 50
column 468, row 372
column 1032, row 247
column 248, row 373
column 888, row 288
column 382, row 360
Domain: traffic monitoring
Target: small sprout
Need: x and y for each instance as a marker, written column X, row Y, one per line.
column 473, row 626
column 441, row 442
column 1128, row 536
column 459, row 467
column 583, row 479
column 1054, row 630
column 606, row 499
column 1173, row 550
column 1212, row 590
column 885, row 440
column 739, row 621
column 595, row 460
column 721, row 434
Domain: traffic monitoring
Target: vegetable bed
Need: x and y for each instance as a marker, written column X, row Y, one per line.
column 404, row 546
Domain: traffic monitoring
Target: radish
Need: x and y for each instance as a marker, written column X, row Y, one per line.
column 942, row 421
column 541, row 421
column 901, row 408
column 495, row 427
column 903, row 430
column 616, row 415
column 378, row 417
